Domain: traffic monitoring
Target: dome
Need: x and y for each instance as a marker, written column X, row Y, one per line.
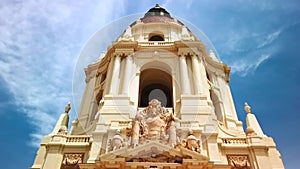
column 158, row 14
column 157, row 11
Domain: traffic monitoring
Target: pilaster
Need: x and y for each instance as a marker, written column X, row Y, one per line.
column 96, row 145
column 127, row 75
column 212, row 146
column 109, row 76
column 55, row 152
column 185, row 85
column 115, row 76
column 41, row 154
column 196, row 74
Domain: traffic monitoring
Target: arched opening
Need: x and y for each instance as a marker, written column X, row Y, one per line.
column 156, row 38
column 155, row 84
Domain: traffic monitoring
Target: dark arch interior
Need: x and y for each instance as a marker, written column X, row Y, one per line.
column 155, row 84
column 149, row 93
column 156, row 38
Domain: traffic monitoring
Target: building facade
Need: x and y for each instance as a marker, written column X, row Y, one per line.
column 157, row 99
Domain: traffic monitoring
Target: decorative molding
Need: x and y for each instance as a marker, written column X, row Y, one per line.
column 72, row 160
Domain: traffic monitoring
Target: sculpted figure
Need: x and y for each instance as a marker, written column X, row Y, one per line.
column 192, row 143
column 116, row 142
column 154, row 123
column 68, row 108
column 63, row 130
column 247, row 108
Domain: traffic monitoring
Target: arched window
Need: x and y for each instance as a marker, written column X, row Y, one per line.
column 156, row 91
column 156, row 38
column 155, row 84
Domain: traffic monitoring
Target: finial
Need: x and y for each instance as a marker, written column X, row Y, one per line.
column 247, row 108
column 157, row 6
column 68, row 107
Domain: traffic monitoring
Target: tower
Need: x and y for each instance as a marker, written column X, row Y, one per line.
column 157, row 99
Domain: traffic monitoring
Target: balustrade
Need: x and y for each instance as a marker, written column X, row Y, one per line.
column 234, row 141
column 78, row 139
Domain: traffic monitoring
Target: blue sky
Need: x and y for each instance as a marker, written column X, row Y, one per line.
column 42, row 40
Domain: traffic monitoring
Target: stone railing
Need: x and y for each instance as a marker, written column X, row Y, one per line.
column 78, row 139
column 156, row 43
column 233, row 141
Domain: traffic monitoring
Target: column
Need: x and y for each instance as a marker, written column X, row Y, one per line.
column 127, row 75
column 109, row 76
column 115, row 74
column 96, row 146
column 203, row 79
column 54, row 154
column 196, row 74
column 185, row 85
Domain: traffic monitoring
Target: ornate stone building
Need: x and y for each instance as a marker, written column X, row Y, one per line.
column 157, row 99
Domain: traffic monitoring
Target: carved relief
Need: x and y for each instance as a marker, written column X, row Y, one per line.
column 238, row 161
column 158, row 158
column 71, row 161
column 154, row 123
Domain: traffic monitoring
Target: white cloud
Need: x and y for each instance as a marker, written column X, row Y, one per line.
column 247, row 51
column 269, row 39
column 243, row 67
column 39, row 43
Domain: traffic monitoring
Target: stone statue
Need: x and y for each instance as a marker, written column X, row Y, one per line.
column 68, row 108
column 61, row 126
column 154, row 123
column 63, row 130
column 247, row 108
column 116, row 142
column 191, row 143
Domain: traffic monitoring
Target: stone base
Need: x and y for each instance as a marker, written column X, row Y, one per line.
column 116, row 108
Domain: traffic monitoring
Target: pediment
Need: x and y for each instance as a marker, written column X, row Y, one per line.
column 153, row 151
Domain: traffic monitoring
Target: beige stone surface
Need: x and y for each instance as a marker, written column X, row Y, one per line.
column 161, row 104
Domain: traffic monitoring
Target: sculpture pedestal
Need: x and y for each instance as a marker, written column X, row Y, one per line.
column 116, row 107
column 195, row 108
